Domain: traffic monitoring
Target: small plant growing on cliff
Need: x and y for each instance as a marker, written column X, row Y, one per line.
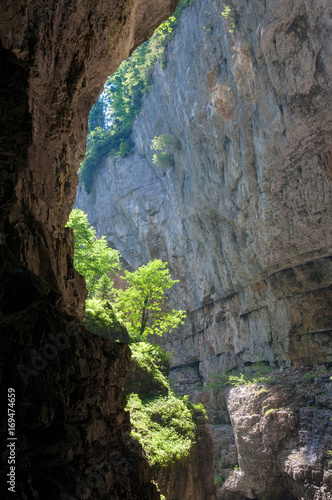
column 143, row 305
column 257, row 374
column 329, row 463
column 219, row 481
column 227, row 14
column 271, row 410
column 165, row 144
column 208, row 30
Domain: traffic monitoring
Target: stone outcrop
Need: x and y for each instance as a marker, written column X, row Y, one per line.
column 193, row 478
column 244, row 215
column 282, row 437
column 190, row 477
column 70, row 422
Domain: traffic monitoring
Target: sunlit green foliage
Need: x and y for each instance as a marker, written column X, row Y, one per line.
column 112, row 117
column 142, row 306
column 92, row 257
column 165, row 144
column 152, row 357
column 256, row 374
column 94, row 260
column 163, row 422
column 164, row 426
column 227, row 14
column 104, row 288
column 100, row 318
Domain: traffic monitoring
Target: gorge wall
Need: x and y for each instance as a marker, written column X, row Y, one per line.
column 71, row 428
column 243, row 218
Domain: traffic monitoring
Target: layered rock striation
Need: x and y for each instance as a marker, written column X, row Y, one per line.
column 243, row 215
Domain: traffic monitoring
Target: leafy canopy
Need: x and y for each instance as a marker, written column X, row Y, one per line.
column 92, row 257
column 143, row 305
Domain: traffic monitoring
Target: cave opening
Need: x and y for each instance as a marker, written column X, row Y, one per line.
column 247, row 228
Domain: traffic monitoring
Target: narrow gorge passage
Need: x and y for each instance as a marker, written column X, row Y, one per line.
column 235, row 194
column 239, row 204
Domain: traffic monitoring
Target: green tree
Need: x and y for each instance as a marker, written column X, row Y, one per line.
column 104, row 288
column 143, row 305
column 97, row 115
column 92, row 257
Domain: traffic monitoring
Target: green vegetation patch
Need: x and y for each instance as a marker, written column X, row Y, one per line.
column 92, row 256
column 164, row 426
column 142, row 306
column 149, row 370
column 257, row 373
column 163, row 422
column 164, row 145
column 111, row 118
column 227, row 14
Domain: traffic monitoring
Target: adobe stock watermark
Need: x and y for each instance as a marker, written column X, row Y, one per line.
column 93, row 481
column 56, row 343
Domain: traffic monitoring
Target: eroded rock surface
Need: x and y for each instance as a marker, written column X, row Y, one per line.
column 193, row 478
column 283, row 434
column 71, row 426
column 244, row 215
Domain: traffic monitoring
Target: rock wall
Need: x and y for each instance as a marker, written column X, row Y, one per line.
column 244, row 215
column 70, row 422
column 193, row 478
column 72, row 434
column 282, row 436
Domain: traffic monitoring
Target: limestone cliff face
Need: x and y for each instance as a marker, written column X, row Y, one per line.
column 70, row 422
column 244, row 215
